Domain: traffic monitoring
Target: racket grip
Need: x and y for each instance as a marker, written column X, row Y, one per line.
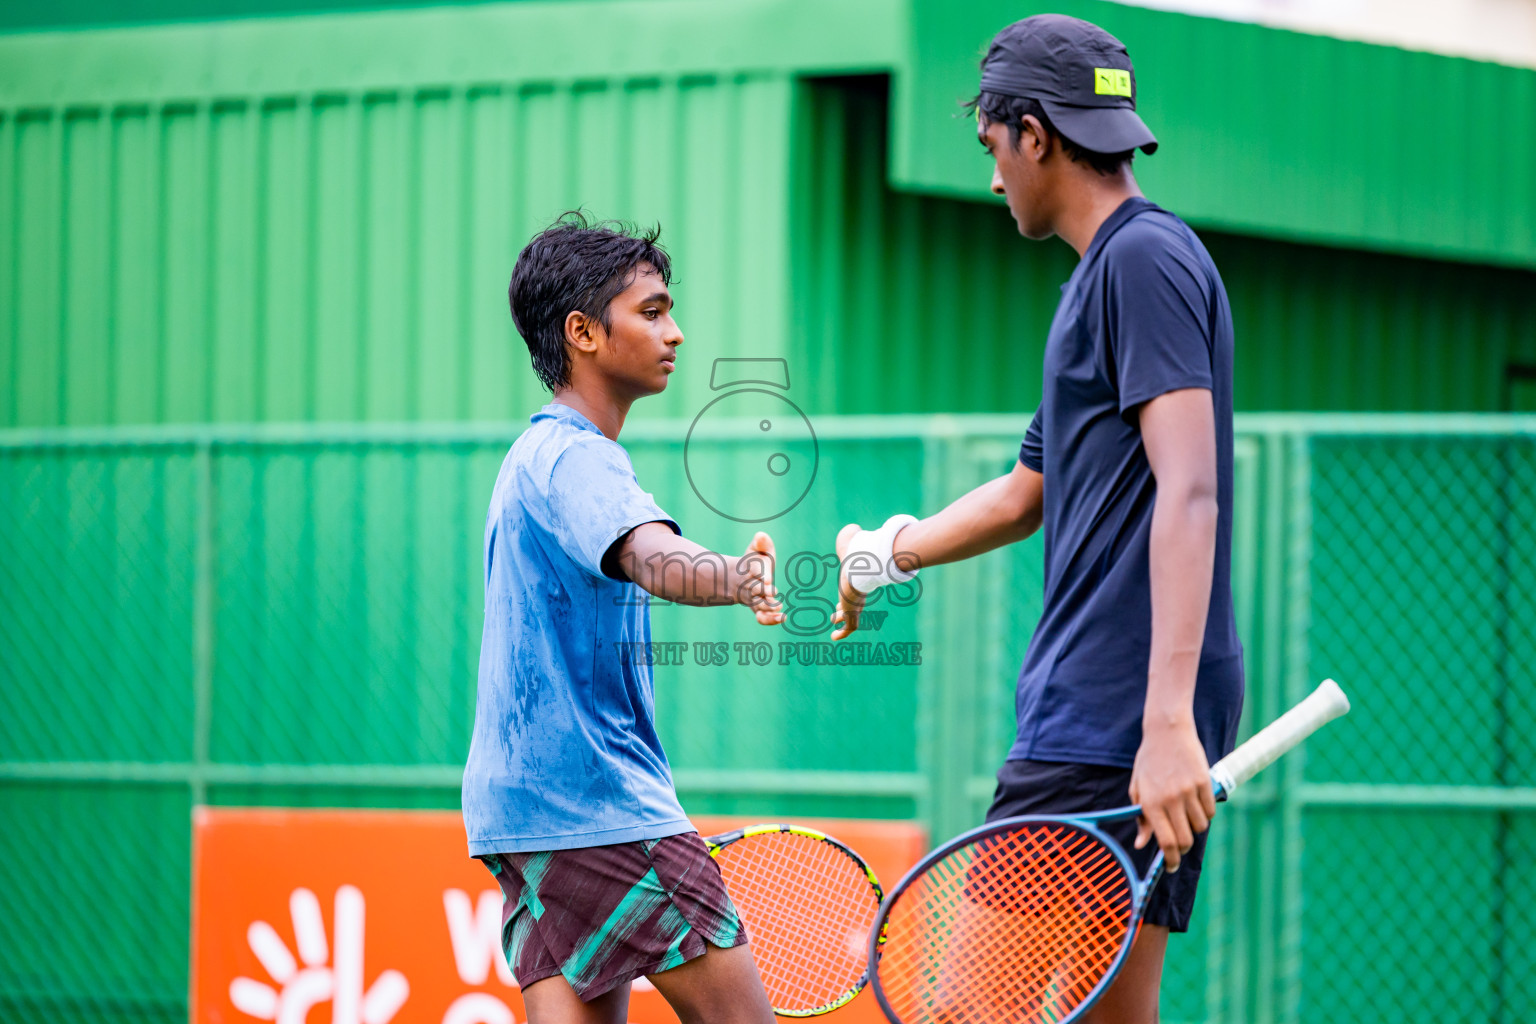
column 1321, row 706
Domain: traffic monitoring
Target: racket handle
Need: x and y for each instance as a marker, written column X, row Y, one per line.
column 1322, row 706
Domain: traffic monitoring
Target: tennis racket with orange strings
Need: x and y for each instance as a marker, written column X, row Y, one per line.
column 1027, row 920
column 808, row 902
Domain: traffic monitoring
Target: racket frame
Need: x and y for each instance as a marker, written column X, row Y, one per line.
column 1321, row 706
column 719, row 842
column 1087, row 822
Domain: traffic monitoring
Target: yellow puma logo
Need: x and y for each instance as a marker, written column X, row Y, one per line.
column 1111, row 82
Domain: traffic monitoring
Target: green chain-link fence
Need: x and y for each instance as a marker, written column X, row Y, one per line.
column 292, row 618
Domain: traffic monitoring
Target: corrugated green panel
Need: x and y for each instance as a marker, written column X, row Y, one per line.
column 923, row 304
column 470, row 44
column 909, row 303
column 35, row 15
column 8, row 259
column 35, row 314
column 1268, row 131
column 96, row 580
column 87, row 320
column 95, row 904
column 344, row 257
column 1328, row 329
column 315, row 218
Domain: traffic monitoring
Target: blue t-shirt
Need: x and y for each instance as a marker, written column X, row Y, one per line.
column 565, row 752
column 1143, row 314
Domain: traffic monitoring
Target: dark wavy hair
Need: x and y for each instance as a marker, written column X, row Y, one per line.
column 576, row 264
column 1011, row 111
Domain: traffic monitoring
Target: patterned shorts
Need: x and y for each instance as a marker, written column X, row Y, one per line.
column 605, row 915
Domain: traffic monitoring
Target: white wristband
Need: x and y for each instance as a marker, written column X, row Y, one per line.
column 871, row 562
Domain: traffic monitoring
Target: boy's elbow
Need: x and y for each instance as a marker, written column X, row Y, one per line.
column 1027, row 491
column 1195, row 504
column 1028, row 519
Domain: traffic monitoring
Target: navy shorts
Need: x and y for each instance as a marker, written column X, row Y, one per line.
column 1049, row 787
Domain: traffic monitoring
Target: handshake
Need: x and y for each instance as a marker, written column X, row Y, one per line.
column 867, row 559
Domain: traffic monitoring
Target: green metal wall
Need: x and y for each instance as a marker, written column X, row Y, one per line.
column 35, row 15
column 314, row 218
column 1264, row 131
column 1270, row 132
column 290, row 616
column 1334, row 329
column 345, row 257
column 927, row 304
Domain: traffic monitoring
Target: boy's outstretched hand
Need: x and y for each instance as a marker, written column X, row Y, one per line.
column 755, row 581
column 850, row 600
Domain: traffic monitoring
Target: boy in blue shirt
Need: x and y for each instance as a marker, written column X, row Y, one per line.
column 567, row 795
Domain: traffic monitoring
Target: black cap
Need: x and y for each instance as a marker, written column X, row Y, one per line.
column 1081, row 75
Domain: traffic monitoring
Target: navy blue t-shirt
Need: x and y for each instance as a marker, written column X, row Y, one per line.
column 1143, row 314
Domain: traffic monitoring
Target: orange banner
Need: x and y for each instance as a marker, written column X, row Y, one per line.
column 380, row 917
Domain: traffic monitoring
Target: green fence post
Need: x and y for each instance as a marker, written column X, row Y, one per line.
column 1292, row 768
column 202, row 626
column 946, row 679
column 1265, row 681
column 1228, row 948
column 929, row 684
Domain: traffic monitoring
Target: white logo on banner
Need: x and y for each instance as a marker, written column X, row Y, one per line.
column 297, row 989
column 475, row 931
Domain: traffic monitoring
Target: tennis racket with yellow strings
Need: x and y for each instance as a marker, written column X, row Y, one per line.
column 808, row 902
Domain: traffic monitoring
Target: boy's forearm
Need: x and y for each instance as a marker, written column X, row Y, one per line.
column 1182, row 556
column 1179, row 434
column 676, row 569
column 999, row 512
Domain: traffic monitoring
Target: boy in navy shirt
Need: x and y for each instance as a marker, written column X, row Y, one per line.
column 1133, row 681
column 567, row 795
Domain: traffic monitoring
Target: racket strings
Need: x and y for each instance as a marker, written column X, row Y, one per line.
column 808, row 908
column 1067, row 919
column 797, row 908
column 1016, row 928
